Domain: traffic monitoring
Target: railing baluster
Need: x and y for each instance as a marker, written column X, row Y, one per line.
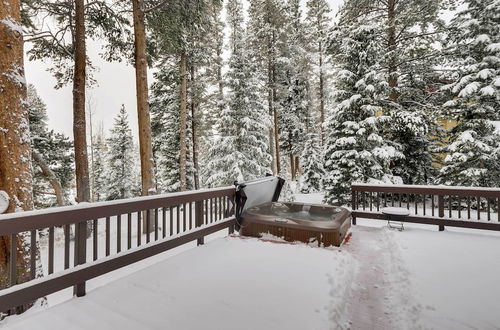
column 199, row 206
column 468, row 207
column 441, row 210
column 190, row 215
column 449, row 206
column 13, row 260
column 488, row 210
column 433, row 205
column 148, row 226
column 108, row 233
column 424, row 200
column 478, row 208
column 371, row 204
column 33, row 254
column 416, row 203
column 407, row 200
column 378, row 201
column 385, row 199
column 156, row 224
column 66, row 246
column 184, row 217
column 171, row 220
column 459, row 207
column 129, row 231
column 164, row 222
column 392, row 199
column 363, row 198
column 498, row 209
column 118, row 233
column 354, row 201
column 205, row 205
column 51, row 250
column 139, row 228
column 95, row 233
column 211, row 210
column 178, row 219
column 216, row 216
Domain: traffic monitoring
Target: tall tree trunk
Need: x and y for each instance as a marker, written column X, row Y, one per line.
column 276, row 122
column 79, row 117
column 141, row 86
column 144, row 121
column 15, row 153
column 271, row 111
column 194, row 131
column 182, row 122
column 392, row 79
column 51, row 177
column 79, row 120
column 321, row 94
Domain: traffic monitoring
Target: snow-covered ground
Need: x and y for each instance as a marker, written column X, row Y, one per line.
column 419, row 278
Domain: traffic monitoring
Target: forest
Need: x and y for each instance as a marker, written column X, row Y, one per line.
column 382, row 91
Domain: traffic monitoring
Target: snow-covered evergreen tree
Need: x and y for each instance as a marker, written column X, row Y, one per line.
column 317, row 27
column 54, row 151
column 120, row 175
column 474, row 41
column 312, row 165
column 165, row 128
column 98, row 177
column 355, row 148
column 295, row 103
column 240, row 150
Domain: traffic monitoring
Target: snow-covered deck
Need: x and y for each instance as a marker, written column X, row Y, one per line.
column 381, row 279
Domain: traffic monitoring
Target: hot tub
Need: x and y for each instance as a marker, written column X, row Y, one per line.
column 322, row 224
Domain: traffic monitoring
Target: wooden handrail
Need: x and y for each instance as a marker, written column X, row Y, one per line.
column 196, row 213
column 31, row 220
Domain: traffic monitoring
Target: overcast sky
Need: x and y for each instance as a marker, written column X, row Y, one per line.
column 116, row 86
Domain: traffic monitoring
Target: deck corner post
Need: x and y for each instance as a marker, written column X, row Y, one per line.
column 80, row 254
column 441, row 210
column 199, row 219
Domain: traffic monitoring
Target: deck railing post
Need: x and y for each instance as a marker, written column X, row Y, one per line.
column 199, row 219
column 353, row 204
column 441, row 210
column 80, row 253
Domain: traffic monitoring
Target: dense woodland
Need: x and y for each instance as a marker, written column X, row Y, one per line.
column 284, row 87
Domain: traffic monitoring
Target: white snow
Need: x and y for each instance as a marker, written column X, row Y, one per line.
column 419, row 278
column 12, row 25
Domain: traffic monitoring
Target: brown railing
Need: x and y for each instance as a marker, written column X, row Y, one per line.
column 467, row 207
column 116, row 239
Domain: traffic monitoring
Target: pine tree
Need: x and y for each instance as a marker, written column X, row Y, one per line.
column 355, row 148
column 408, row 31
column 474, row 44
column 317, row 24
column 120, row 175
column 312, row 165
column 53, row 168
column 240, row 152
column 267, row 38
column 99, row 169
column 295, row 100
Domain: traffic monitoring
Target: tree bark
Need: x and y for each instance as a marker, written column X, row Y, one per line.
column 321, row 94
column 182, row 122
column 79, row 120
column 15, row 153
column 392, row 79
column 143, row 117
column 141, row 85
column 194, row 131
column 51, row 177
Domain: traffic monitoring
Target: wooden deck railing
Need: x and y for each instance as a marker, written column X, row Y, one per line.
column 117, row 238
column 468, row 207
